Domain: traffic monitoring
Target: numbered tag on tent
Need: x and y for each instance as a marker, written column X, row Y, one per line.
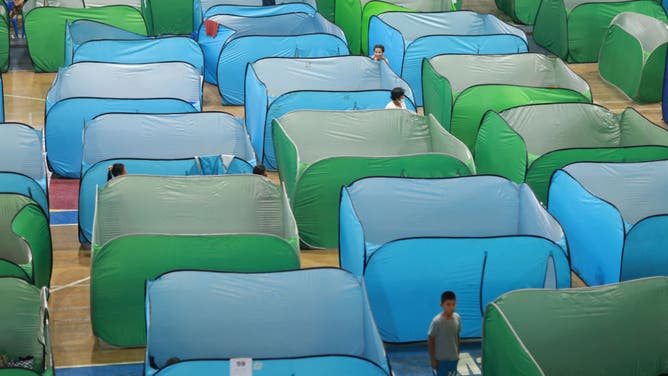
column 241, row 367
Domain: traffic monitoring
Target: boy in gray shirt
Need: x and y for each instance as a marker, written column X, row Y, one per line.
column 443, row 338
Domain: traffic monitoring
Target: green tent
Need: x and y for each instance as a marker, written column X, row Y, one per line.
column 633, row 56
column 25, row 240
column 353, row 16
column 613, row 330
column 168, row 17
column 522, row 11
column 318, row 152
column 574, row 29
column 148, row 225
column 45, row 29
column 529, row 143
column 4, row 38
column 459, row 89
column 24, row 327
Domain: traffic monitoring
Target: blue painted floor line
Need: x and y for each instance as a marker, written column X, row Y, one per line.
column 406, row 360
column 63, row 217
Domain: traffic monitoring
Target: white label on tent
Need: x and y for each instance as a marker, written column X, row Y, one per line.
column 241, row 367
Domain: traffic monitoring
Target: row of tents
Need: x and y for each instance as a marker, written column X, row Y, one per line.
column 321, row 151
column 533, row 332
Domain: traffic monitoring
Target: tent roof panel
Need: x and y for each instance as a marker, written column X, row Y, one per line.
column 192, row 205
column 165, row 136
column 127, row 81
column 550, row 127
column 196, row 299
column 207, row 4
column 478, row 206
column 416, row 25
column 418, row 5
column 279, row 25
column 375, row 133
column 342, row 73
column 638, row 190
column 649, row 31
column 21, row 151
column 534, row 70
column 85, row 30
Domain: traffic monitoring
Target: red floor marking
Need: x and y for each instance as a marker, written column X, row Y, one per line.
column 64, row 194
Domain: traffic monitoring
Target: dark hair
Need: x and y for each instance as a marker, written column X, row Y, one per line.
column 397, row 93
column 115, row 170
column 382, row 48
column 448, row 295
column 260, row 170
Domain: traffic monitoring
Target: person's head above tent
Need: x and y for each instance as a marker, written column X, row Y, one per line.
column 117, row 169
column 397, row 96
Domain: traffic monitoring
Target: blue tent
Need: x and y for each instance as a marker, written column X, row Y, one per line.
column 323, row 312
column 615, row 216
column 245, row 39
column 412, row 239
column 201, row 8
column 411, row 37
column 276, row 86
column 85, row 90
column 94, row 41
column 22, row 169
column 204, row 143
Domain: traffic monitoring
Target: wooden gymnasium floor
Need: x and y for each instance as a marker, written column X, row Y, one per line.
column 72, row 339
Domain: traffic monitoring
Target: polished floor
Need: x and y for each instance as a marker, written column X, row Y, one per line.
column 72, row 339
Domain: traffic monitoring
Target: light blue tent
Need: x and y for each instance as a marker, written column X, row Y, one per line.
column 201, row 8
column 22, row 169
column 85, row 90
column 205, row 143
column 412, row 239
column 245, row 39
column 324, row 313
column 82, row 31
column 411, row 37
column 276, row 86
column 94, row 41
column 615, row 216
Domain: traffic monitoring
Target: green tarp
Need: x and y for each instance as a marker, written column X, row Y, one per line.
column 4, row 38
column 45, row 30
column 614, row 330
column 522, row 11
column 25, row 240
column 23, row 327
column 168, row 17
column 237, row 223
column 353, row 16
column 529, row 143
column 318, row 152
column 633, row 56
column 459, row 89
column 575, row 29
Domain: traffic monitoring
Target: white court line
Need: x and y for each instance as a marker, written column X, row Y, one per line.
column 63, row 224
column 24, row 97
column 69, row 284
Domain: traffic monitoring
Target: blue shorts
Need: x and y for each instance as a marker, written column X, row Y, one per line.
column 446, row 368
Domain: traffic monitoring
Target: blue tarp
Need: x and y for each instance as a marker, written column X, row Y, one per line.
column 324, row 312
column 206, row 143
column 201, row 8
column 409, row 38
column 22, row 169
column 276, row 86
column 85, row 90
column 243, row 39
column 93, row 41
column 615, row 216
column 412, row 239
